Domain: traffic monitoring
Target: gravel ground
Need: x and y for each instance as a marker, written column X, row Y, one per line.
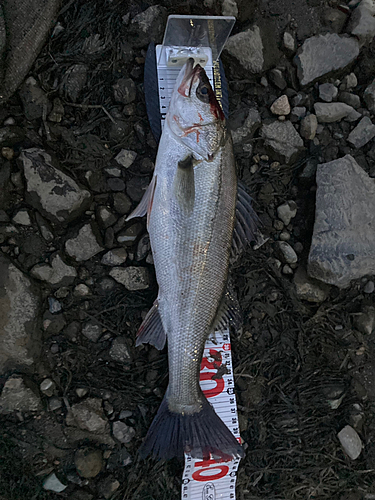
column 76, row 279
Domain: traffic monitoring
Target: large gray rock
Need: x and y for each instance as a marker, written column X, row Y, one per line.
column 329, row 112
column 56, row 274
column 247, row 48
column 362, row 22
column 16, row 396
column 323, row 54
column 343, row 242
column 245, row 132
column 283, row 139
column 148, row 26
column 49, row 190
column 133, row 278
column 362, row 133
column 19, row 325
column 84, row 246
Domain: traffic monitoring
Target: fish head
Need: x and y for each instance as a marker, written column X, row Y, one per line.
column 195, row 114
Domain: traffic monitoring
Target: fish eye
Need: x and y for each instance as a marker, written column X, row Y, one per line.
column 202, row 93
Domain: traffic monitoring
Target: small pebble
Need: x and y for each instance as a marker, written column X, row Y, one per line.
column 92, row 330
column 350, row 441
column 287, row 211
column 287, row 270
column 369, row 287
column 281, row 106
column 7, row 153
column 81, row 290
column 54, row 404
column 55, row 348
column 123, row 432
column 53, row 483
column 81, row 392
column 54, row 305
column 88, row 462
column 286, row 251
column 47, row 387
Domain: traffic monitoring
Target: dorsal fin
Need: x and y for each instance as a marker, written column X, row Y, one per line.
column 247, row 222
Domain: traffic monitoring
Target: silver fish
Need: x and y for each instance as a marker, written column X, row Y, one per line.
column 191, row 207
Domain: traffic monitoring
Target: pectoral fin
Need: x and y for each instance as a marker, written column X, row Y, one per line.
column 145, row 205
column 184, row 184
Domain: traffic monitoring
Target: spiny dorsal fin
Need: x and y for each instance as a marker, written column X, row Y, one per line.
column 145, row 205
column 247, row 222
column 151, row 330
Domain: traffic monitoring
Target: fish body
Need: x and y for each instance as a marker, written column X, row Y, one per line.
column 191, row 207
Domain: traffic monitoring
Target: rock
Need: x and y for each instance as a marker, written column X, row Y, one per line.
column 123, row 432
column 283, row 139
column 16, row 396
column 105, row 217
column 34, row 99
column 54, row 306
column 352, row 100
column 129, row 235
column 148, row 26
column 88, row 462
column 323, row 54
column 47, row 387
column 298, row 112
column 114, row 257
column 369, row 287
column 74, row 80
column 124, row 91
column 362, row 133
column 308, row 288
column 229, row 8
column 57, row 112
column 289, row 42
column 57, row 274
column 19, row 318
column 343, row 242
column 281, row 106
column 53, row 483
column 108, row 486
column 362, row 22
column 119, row 351
column 113, row 171
column 309, row 126
column 333, row 111
column 277, row 78
column 136, row 188
column 286, row 252
column 365, row 321
column 126, row 158
column 44, row 228
column 350, row 441
column 116, row 184
column 349, row 82
column 245, row 132
column 22, row 217
column 143, row 247
column 133, row 278
column 287, row 211
column 92, row 330
column 247, row 48
column 328, row 92
column 121, row 203
column 57, row 196
column 88, row 415
column 81, row 290
column 84, row 245
column 369, row 97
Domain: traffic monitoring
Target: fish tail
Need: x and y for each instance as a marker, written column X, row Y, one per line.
column 201, row 434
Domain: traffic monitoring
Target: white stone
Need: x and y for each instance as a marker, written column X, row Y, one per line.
column 289, row 42
column 53, row 483
column 22, row 217
column 126, row 158
column 287, row 211
column 281, row 106
column 350, row 441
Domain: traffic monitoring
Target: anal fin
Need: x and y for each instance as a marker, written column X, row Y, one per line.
column 151, row 330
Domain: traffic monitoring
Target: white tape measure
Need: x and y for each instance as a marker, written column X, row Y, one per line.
column 206, row 479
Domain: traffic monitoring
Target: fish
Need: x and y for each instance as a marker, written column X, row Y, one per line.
column 198, row 218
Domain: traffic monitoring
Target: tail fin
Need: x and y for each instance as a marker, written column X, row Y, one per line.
column 200, row 434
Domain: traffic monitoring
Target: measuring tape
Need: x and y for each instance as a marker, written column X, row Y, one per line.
column 206, row 479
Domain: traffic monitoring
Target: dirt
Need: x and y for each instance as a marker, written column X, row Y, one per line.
column 291, row 358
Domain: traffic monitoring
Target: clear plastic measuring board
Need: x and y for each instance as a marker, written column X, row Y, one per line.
column 203, row 38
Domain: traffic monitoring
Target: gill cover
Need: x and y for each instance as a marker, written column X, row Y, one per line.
column 195, row 115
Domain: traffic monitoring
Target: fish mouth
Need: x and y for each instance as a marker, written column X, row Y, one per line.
column 190, row 73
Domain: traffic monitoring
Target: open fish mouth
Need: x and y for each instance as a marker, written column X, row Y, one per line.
column 190, row 73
